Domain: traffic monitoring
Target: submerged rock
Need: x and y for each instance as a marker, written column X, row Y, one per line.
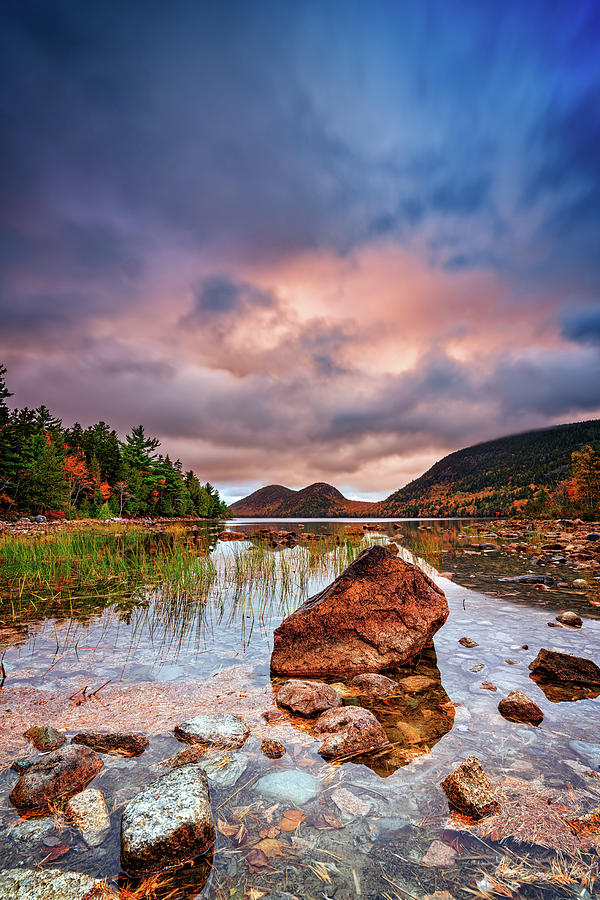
column 439, row 855
column 290, row 786
column 115, row 743
column 553, row 665
column 168, row 822
column 89, row 814
column 221, row 731
column 223, row 769
column 568, row 617
column 529, row 579
column 62, row 772
column 184, row 757
column 518, row 707
column 52, row 884
column 416, row 684
column 469, row 790
column 378, row 686
column 307, row 698
column 45, row 737
column 349, row 729
column 379, row 613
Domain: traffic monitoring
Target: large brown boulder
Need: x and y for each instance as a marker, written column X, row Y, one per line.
column 59, row 774
column 556, row 666
column 378, row 614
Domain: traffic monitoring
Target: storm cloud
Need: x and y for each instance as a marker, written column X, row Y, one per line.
column 302, row 240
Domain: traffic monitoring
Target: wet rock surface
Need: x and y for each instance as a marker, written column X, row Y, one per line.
column 554, row 665
column 168, row 822
column 518, row 707
column 469, row 790
column 570, row 618
column 307, row 698
column 115, row 743
column 272, row 749
column 221, row 731
column 379, row 613
column 349, row 729
column 374, row 685
column 45, row 737
column 52, row 884
column 58, row 774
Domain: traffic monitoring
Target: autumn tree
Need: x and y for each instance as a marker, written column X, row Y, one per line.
column 586, row 475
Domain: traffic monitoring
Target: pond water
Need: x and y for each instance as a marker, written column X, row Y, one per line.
column 366, row 825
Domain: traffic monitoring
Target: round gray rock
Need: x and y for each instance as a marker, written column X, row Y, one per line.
column 168, row 822
column 221, row 731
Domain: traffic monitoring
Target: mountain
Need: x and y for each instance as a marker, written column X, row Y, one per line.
column 494, row 477
column 316, row 500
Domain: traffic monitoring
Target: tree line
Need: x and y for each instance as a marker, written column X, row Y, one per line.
column 88, row 472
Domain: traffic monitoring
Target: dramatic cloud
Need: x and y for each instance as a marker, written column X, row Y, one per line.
column 301, row 240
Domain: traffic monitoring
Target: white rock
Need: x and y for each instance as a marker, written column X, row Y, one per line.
column 89, row 814
column 222, row 731
column 168, row 822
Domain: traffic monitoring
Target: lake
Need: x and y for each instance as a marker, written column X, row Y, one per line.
column 148, row 657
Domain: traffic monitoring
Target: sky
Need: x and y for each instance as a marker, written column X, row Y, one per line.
column 302, row 241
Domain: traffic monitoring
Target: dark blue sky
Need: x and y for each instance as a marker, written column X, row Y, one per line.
column 303, row 240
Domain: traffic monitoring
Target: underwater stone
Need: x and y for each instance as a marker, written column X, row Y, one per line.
column 349, row 729
column 377, row 686
column 290, row 786
column 223, row 769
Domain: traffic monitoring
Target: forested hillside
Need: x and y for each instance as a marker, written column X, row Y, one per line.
column 48, row 468
column 500, row 476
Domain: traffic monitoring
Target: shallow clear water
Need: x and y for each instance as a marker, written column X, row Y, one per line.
column 386, row 810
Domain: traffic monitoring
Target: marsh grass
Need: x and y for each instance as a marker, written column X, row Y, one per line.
column 167, row 581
